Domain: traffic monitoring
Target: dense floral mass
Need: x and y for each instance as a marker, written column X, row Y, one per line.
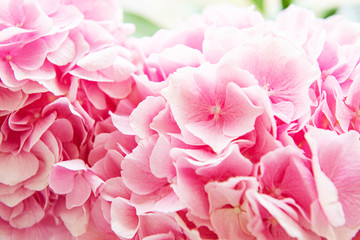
column 227, row 127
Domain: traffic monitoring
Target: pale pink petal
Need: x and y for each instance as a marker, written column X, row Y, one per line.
column 285, row 172
column 189, row 187
column 47, row 159
column 61, row 180
column 11, row 200
column 164, row 123
column 124, row 221
column 228, row 165
column 31, row 56
column 278, row 210
column 219, row 41
column 176, row 57
column 117, row 90
column 63, row 130
column 229, row 224
column 94, row 182
column 114, row 188
column 66, row 17
column 136, row 174
column 155, row 224
column 7, row 75
column 79, row 193
column 121, row 69
column 75, row 219
column 98, row 60
column 32, row 213
column 11, row 173
column 98, row 217
column 240, row 113
column 95, row 95
column 120, row 118
column 336, row 170
column 11, row 100
column 143, row 115
column 161, row 164
column 38, row 130
column 73, row 165
column 64, row 54
column 161, row 236
column 45, row 72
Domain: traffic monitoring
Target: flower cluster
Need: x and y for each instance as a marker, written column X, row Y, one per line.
column 227, row 127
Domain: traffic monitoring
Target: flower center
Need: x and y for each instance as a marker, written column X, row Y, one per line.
column 268, row 89
column 237, row 210
column 216, row 110
column 8, row 57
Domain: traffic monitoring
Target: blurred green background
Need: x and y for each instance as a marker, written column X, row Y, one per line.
column 151, row 15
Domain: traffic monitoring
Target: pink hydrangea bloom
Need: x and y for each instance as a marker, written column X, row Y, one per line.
column 335, row 168
column 216, row 112
column 229, row 126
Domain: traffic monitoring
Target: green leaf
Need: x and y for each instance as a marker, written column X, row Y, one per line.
column 259, row 5
column 144, row 27
column 286, row 3
column 329, row 12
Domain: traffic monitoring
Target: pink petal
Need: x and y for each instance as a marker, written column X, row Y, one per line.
column 75, row 219
column 156, row 223
column 11, row 100
column 79, row 193
column 120, row 70
column 280, row 211
column 97, row 213
column 143, row 115
column 122, row 123
column 161, row 164
column 176, row 57
column 32, row 213
column 7, row 75
column 115, row 187
column 95, row 95
column 117, row 90
column 336, row 169
column 73, row 165
column 31, row 56
column 229, row 224
column 10, row 32
column 240, row 114
column 285, row 173
column 62, row 129
column 61, row 180
column 47, row 159
column 164, row 123
column 14, row 198
column 211, row 134
column 66, row 17
column 94, row 182
column 136, row 172
column 189, row 187
column 45, row 72
column 98, row 60
column 39, row 129
column 124, row 221
column 219, row 41
column 17, row 168
column 64, row 54
column 227, row 165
